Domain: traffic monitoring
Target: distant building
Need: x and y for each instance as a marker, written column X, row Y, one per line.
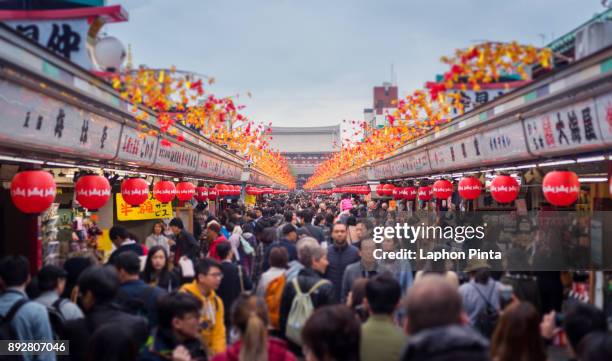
column 305, row 147
column 384, row 101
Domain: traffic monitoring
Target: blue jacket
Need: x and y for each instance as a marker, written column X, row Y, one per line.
column 289, row 246
column 30, row 323
column 339, row 258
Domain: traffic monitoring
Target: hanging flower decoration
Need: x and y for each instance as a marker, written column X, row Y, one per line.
column 424, row 111
column 179, row 98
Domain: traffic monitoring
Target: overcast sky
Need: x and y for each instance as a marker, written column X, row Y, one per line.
column 314, row 62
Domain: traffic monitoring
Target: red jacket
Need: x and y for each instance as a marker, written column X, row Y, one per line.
column 212, row 251
column 277, row 351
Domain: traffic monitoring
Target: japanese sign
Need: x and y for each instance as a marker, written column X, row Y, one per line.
column 471, row 99
column 568, row 128
column 150, row 209
column 211, row 166
column 177, row 158
column 32, row 119
column 604, row 116
column 412, row 163
column 137, row 147
column 67, row 37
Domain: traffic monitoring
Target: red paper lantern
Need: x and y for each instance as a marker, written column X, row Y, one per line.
column 201, row 194
column 425, row 193
column 365, row 190
column 135, row 191
column 504, row 189
column 92, row 191
column 212, row 193
column 469, row 188
column 388, row 189
column 442, row 189
column 221, row 190
column 396, row 193
column 33, row 191
column 237, row 190
column 410, row 193
column 185, row 191
column 252, row 191
column 164, row 191
column 380, row 190
column 561, row 188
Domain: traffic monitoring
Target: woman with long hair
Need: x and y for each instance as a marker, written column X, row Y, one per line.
column 157, row 237
column 157, row 272
column 249, row 318
column 517, row 335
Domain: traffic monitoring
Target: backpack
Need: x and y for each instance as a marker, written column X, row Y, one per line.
column 301, row 309
column 57, row 320
column 273, row 296
column 486, row 319
column 6, row 329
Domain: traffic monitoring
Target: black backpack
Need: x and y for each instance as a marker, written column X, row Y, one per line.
column 6, row 330
column 486, row 319
column 57, row 320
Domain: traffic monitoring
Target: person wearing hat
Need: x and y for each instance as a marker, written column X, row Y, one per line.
column 481, row 291
column 51, row 283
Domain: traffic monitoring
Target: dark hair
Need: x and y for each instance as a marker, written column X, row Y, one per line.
column 112, row 342
column 482, row 276
column 148, row 272
column 101, row 281
column 288, row 228
column 432, row 302
column 333, row 333
column 517, row 335
column 351, row 221
column 596, row 346
column 48, row 277
column 251, row 214
column 366, row 222
column 358, row 292
column 14, row 270
column 329, row 220
column 278, row 257
column 162, row 225
column 318, row 219
column 118, row 232
column 288, row 216
column 223, row 249
column 129, row 262
column 437, row 265
column 581, row 319
column 339, row 224
column 177, row 222
column 176, row 305
column 215, row 227
column 249, row 315
column 268, row 235
column 204, row 266
column 74, row 267
column 307, row 216
column 383, row 293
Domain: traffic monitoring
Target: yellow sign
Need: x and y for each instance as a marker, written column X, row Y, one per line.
column 249, row 200
column 150, row 209
column 104, row 242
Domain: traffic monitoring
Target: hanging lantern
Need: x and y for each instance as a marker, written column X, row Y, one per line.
column 267, row 190
column 164, row 191
column 92, row 191
column 469, row 188
column 425, row 193
column 410, row 193
column 380, row 190
column 212, row 193
column 201, row 194
column 395, row 193
column 388, row 190
column 185, row 191
column 252, row 191
column 365, row 190
column 561, row 188
column 221, row 190
column 237, row 190
column 442, row 189
column 33, row 191
column 504, row 189
column 135, row 191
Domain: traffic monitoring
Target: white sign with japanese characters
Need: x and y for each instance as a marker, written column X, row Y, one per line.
column 505, row 143
column 604, row 117
column 568, row 128
column 137, row 147
column 471, row 99
column 66, row 37
column 177, row 158
column 30, row 119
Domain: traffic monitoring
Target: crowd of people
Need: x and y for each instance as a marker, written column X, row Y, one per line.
column 293, row 277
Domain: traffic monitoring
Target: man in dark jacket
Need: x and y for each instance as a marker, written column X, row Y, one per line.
column 288, row 241
column 135, row 295
column 179, row 325
column 185, row 243
column 437, row 323
column 314, row 259
column 234, row 281
column 121, row 240
column 305, row 217
column 97, row 288
column 340, row 254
